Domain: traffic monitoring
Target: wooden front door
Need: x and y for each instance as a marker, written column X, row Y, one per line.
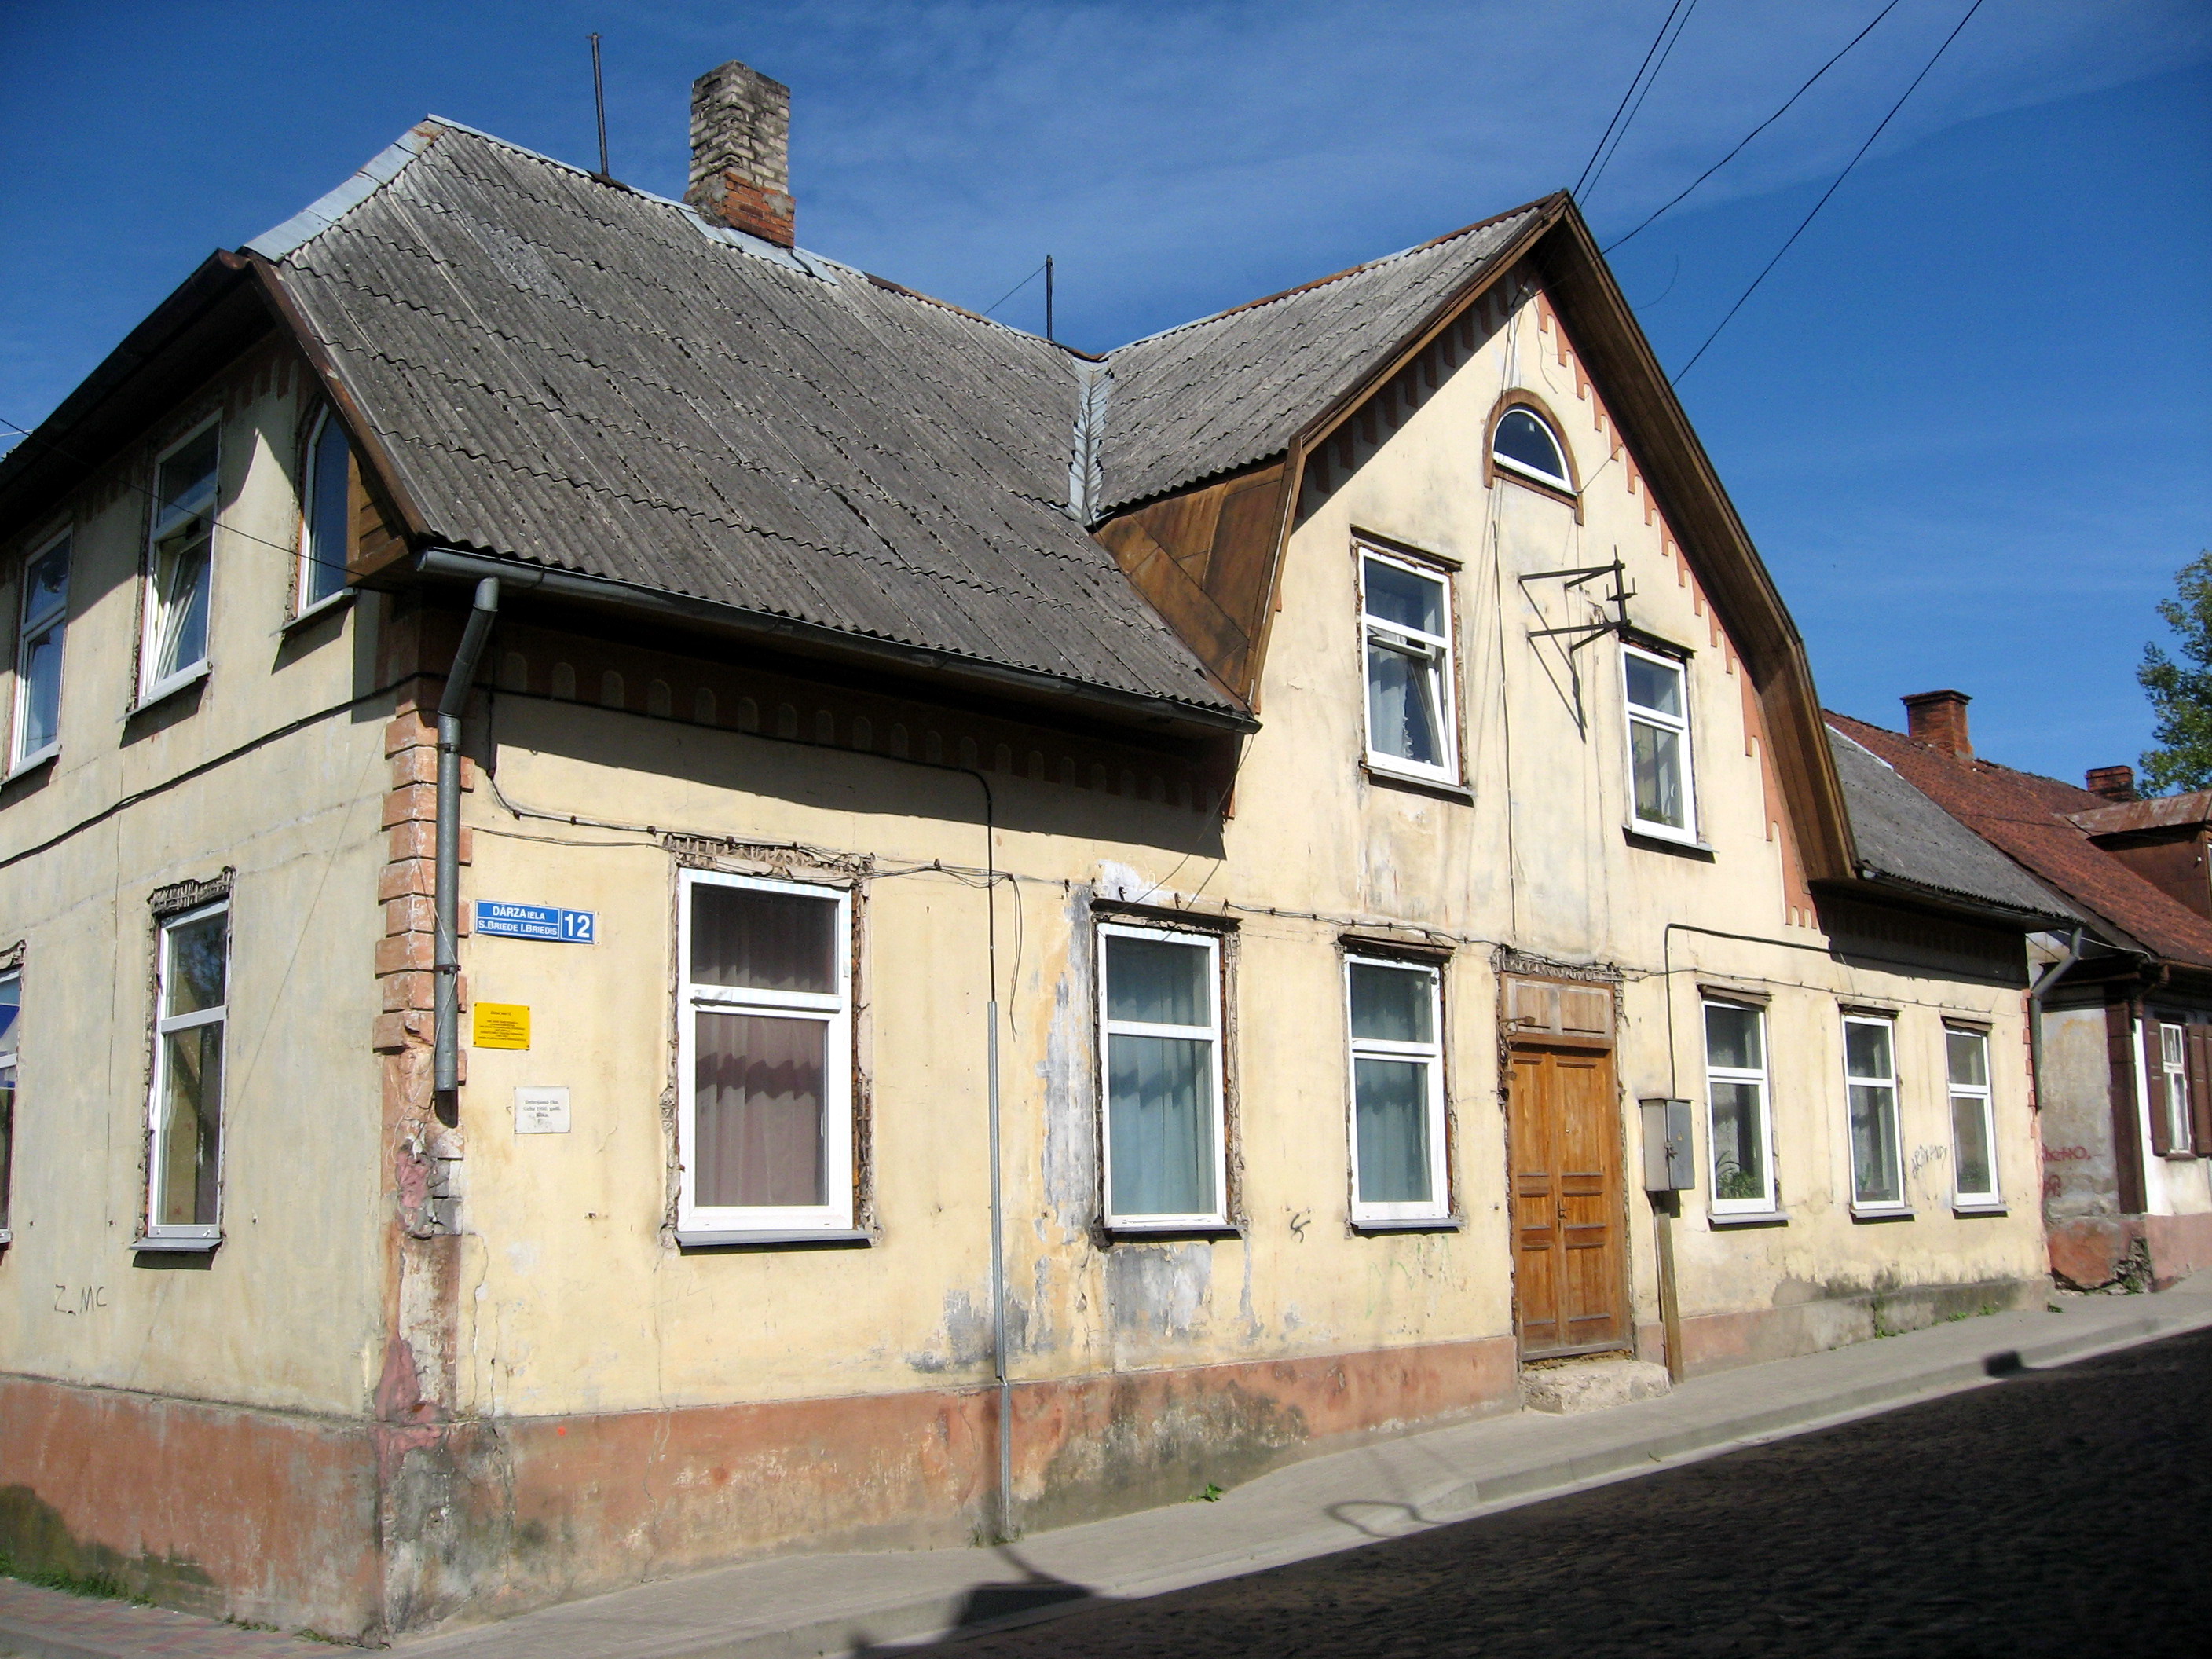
column 1570, row 1290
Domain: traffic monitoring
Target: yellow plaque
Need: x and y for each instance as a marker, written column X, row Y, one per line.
column 502, row 1025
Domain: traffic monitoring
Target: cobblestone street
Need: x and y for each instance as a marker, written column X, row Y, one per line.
column 2064, row 1512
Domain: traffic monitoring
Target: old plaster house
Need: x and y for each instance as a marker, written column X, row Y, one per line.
column 2124, row 1013
column 675, row 902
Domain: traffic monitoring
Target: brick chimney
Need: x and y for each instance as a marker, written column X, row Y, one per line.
column 2115, row 783
column 741, row 152
column 1939, row 719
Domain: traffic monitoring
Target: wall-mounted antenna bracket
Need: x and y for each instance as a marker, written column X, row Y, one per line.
column 1584, row 633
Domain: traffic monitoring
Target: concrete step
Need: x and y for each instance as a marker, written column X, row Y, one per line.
column 1591, row 1385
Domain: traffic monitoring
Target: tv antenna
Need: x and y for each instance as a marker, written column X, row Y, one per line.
column 599, row 103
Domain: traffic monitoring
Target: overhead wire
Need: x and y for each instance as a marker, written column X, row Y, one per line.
column 1665, row 24
column 1636, row 109
column 1756, row 131
column 1675, row 378
column 1015, row 289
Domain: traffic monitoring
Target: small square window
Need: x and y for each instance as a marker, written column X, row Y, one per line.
column 1973, row 1128
column 1661, row 798
column 185, row 1129
column 1160, row 1019
column 1398, row 1165
column 1870, row 1080
column 766, row 1125
column 1412, row 727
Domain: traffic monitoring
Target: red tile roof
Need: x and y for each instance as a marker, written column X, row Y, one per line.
column 2027, row 816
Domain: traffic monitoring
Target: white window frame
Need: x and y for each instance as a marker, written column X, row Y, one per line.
column 1902, row 1205
column 1565, row 484
column 150, row 612
column 10, row 1064
column 326, row 422
column 1437, row 1207
column 29, row 630
column 1443, row 665
column 1982, row 1094
column 1109, row 1029
column 697, row 1224
column 1634, row 713
column 2173, row 1096
column 183, row 1235
column 1764, row 1202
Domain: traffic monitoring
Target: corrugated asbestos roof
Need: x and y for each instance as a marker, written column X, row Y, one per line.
column 582, row 376
column 1213, row 396
column 1904, row 836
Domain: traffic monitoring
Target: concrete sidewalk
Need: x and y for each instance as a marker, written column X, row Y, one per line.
column 803, row 1607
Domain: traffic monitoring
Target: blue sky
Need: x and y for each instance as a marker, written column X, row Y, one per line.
column 1966, row 419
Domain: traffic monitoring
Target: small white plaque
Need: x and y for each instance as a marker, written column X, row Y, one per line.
column 541, row 1111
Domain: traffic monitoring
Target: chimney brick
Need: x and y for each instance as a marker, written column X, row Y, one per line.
column 1939, row 719
column 2115, row 783
column 741, row 152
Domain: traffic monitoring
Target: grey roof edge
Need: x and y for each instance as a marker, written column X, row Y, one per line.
column 466, row 564
column 1086, row 477
column 326, row 210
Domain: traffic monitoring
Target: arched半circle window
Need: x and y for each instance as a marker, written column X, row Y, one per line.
column 1525, row 444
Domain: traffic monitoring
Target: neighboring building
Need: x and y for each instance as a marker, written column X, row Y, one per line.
column 1145, row 890
column 2126, row 1023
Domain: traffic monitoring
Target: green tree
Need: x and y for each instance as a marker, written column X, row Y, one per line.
column 2181, row 692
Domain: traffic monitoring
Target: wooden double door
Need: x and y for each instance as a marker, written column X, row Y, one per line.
column 1570, row 1281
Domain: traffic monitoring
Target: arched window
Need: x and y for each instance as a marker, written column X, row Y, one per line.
column 1524, row 444
column 327, row 521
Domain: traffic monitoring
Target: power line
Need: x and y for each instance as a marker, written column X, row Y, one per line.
column 1638, row 109
column 1016, row 288
column 1676, row 378
column 1761, row 127
column 1625, row 96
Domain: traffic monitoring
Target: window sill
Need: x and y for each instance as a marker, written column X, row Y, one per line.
column 1746, row 1219
column 180, row 1246
column 30, row 763
column 739, row 1238
column 1682, row 847
column 1431, row 1224
column 2181, row 1155
column 6, row 1237
column 1959, row 1207
column 1882, row 1212
column 1142, row 1232
column 162, row 691
column 318, row 610
column 1442, row 788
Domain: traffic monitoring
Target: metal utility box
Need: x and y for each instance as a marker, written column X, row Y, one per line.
column 1668, row 1166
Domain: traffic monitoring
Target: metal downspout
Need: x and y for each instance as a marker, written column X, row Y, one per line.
column 446, row 1036
column 2043, row 982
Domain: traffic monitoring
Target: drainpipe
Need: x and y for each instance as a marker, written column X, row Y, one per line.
column 448, row 961
column 2043, row 982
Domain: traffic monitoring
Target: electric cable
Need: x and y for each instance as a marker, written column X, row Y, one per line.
column 1675, row 378
column 1012, row 291
column 1756, row 131
column 1625, row 96
column 1638, row 108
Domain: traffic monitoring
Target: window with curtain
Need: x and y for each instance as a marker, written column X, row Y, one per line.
column 326, row 514
column 766, row 1125
column 1397, row 1090
column 1739, row 1129
column 1870, row 1078
column 1525, row 443
column 175, row 643
column 2170, row 1089
column 1659, row 791
column 184, row 1134
column 44, row 616
column 1160, row 1017
column 1411, row 726
column 1973, row 1129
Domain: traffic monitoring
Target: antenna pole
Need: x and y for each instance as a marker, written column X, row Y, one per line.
column 1047, row 296
column 599, row 101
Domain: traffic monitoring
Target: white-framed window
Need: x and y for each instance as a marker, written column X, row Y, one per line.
column 1412, row 727
column 1739, row 1128
column 1159, row 1005
column 1870, row 1078
column 1525, row 443
column 40, row 623
column 1973, row 1125
column 1661, row 801
column 325, row 514
column 766, row 1062
column 1394, row 1010
column 184, row 1160
column 2170, row 1087
column 180, row 564
column 11, row 1010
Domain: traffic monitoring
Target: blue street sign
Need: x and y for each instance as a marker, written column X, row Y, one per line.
column 539, row 921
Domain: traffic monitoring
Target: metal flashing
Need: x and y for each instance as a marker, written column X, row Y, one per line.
column 1086, row 482
column 326, row 210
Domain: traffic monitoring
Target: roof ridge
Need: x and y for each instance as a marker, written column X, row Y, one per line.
column 1977, row 760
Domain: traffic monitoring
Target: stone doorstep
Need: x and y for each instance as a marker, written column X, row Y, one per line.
column 1595, row 1384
